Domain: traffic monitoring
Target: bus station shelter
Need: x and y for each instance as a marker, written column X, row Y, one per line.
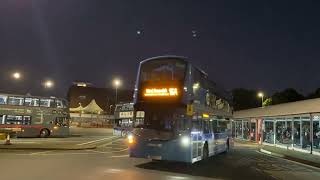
column 293, row 126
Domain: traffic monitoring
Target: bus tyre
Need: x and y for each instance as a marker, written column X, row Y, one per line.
column 227, row 146
column 205, row 152
column 44, row 133
column 123, row 134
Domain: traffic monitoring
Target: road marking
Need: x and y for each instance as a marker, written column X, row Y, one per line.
column 121, row 150
column 101, row 152
column 38, row 153
column 90, row 142
column 120, row 156
column 110, row 142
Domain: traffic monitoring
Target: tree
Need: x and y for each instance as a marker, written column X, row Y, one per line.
column 287, row 95
column 315, row 94
column 245, row 99
column 267, row 102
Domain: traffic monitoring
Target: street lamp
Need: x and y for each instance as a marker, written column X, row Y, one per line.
column 16, row 75
column 116, row 84
column 48, row 84
column 261, row 95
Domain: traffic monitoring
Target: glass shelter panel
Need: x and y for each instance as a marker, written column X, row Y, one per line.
column 246, row 130
column 306, row 143
column 316, row 134
column 296, row 132
column 268, row 132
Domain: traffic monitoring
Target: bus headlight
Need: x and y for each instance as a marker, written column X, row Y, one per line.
column 130, row 139
column 185, row 141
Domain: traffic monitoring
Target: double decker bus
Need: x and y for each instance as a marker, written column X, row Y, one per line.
column 34, row 116
column 124, row 121
column 187, row 116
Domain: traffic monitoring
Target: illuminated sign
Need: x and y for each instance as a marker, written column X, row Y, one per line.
column 161, row 92
column 205, row 115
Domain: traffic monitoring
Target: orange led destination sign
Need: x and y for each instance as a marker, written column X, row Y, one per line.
column 161, row 92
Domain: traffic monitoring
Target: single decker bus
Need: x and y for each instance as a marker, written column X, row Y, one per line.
column 35, row 116
column 187, row 116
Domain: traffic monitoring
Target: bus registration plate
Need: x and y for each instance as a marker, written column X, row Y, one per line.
column 155, row 157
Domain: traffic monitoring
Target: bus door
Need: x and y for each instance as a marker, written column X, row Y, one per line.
column 221, row 135
column 196, row 139
column 208, row 135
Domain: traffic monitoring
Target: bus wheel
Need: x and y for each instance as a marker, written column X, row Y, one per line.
column 123, row 134
column 205, row 152
column 44, row 133
column 227, row 146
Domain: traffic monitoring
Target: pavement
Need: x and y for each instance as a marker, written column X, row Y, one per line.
column 81, row 138
column 109, row 160
column 299, row 157
column 304, row 158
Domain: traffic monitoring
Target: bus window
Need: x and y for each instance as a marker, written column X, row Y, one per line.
column 164, row 70
column 196, row 125
column 26, row 120
column 206, row 128
column 3, row 99
column 31, row 101
column 61, row 121
column 59, row 103
column 14, row 119
column 215, row 126
column 222, row 126
column 2, row 119
column 47, row 103
column 16, row 101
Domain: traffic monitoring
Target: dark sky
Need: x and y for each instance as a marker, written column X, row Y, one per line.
column 252, row 44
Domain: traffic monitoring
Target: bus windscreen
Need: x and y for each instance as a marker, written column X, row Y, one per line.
column 163, row 70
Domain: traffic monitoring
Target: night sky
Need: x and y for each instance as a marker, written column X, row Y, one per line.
column 252, row 44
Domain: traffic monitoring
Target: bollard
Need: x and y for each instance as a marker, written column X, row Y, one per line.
column 8, row 140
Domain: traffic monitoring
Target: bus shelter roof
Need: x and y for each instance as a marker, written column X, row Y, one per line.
column 286, row 109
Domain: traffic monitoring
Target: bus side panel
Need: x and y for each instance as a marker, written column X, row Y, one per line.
column 161, row 150
column 29, row 132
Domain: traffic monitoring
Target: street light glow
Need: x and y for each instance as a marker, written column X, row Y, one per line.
column 117, row 82
column 48, row 84
column 16, row 75
column 260, row 94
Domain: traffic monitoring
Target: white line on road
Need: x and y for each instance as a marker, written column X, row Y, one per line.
column 38, row 153
column 120, row 156
column 90, row 142
column 110, row 142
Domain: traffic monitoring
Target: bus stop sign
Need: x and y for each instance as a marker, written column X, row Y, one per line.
column 189, row 109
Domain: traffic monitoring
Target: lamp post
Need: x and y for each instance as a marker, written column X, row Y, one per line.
column 261, row 95
column 116, row 84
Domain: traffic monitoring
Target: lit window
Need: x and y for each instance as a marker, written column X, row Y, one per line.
column 16, row 101
column 46, row 102
column 3, row 99
column 31, row 102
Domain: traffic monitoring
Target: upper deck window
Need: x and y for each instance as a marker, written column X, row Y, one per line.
column 47, row 103
column 3, row 99
column 16, row 101
column 59, row 103
column 31, row 101
column 163, row 70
